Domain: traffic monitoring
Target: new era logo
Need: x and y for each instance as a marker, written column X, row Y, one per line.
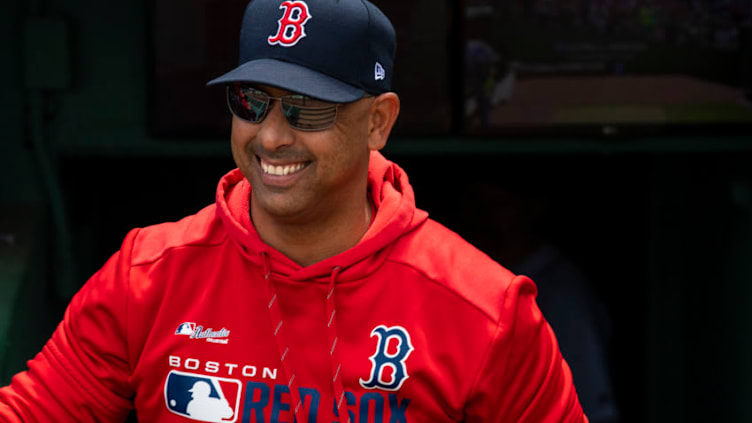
column 202, row 398
column 378, row 72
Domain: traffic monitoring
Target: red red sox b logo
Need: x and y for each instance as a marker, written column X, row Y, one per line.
column 292, row 24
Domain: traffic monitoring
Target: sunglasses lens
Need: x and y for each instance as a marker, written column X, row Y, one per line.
column 315, row 115
column 247, row 103
column 302, row 112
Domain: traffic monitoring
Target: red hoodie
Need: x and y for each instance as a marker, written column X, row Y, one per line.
column 201, row 320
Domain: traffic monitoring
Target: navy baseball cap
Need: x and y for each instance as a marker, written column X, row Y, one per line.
column 333, row 50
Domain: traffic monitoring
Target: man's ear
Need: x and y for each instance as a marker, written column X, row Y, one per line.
column 383, row 114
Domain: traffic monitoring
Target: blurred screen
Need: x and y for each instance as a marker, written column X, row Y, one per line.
column 589, row 66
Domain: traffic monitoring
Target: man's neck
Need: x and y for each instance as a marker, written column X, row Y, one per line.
column 311, row 240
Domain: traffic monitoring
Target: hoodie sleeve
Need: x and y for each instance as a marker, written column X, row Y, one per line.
column 523, row 377
column 81, row 374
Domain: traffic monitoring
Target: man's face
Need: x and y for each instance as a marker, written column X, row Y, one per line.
column 324, row 169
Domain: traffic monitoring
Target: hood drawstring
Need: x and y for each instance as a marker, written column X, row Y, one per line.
column 284, row 349
column 331, row 332
column 281, row 340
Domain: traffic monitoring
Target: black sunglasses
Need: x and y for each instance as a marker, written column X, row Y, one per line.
column 302, row 112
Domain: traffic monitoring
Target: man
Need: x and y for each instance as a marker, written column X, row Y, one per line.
column 203, row 407
column 312, row 290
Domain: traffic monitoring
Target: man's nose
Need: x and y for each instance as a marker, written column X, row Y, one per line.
column 275, row 132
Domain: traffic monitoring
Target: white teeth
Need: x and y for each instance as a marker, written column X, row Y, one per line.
column 281, row 170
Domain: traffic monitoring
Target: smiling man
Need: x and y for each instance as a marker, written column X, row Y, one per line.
column 313, row 290
column 309, row 186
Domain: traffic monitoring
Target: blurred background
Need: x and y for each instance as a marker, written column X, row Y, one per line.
column 601, row 147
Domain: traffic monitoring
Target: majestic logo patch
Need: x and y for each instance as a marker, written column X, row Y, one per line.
column 202, row 398
column 378, row 72
column 292, row 24
column 389, row 358
column 190, row 329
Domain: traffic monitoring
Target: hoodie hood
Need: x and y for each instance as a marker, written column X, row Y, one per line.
column 395, row 215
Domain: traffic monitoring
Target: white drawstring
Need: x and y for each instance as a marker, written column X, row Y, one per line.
column 331, row 332
column 280, row 338
column 278, row 328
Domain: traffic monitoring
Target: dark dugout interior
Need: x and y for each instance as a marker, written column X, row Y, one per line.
column 659, row 222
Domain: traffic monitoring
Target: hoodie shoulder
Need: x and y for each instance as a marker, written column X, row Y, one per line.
column 200, row 229
column 447, row 259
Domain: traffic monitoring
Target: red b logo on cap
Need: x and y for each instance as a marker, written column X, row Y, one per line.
column 291, row 24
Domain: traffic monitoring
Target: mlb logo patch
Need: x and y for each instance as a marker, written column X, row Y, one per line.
column 187, row 328
column 202, row 398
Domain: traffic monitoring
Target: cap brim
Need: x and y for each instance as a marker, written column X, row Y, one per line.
column 292, row 77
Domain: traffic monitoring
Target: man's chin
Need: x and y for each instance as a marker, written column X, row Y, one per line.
column 280, row 205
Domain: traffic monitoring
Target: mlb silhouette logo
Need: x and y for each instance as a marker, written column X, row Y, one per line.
column 202, row 398
column 187, row 328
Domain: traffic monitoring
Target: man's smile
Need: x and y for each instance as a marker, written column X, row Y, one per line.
column 276, row 173
column 281, row 170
